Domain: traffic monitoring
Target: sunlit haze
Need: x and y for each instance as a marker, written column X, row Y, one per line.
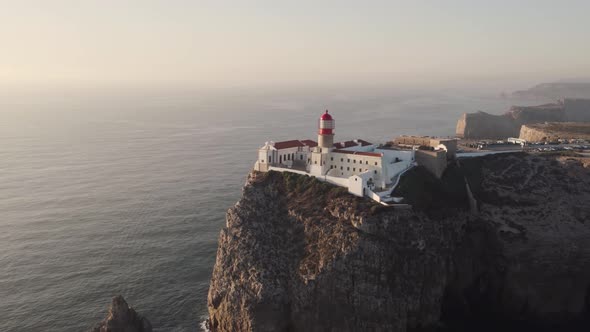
column 216, row 43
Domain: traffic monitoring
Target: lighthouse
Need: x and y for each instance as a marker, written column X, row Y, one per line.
column 326, row 131
column 320, row 154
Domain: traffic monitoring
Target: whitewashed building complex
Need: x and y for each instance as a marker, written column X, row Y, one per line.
column 362, row 167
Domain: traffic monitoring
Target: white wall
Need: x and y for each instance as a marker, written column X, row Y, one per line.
column 392, row 168
column 356, row 185
column 353, row 165
column 373, row 195
column 279, row 169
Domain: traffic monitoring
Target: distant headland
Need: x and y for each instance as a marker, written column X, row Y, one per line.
column 570, row 103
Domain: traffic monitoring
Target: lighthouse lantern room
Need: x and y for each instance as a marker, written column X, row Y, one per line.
column 326, row 128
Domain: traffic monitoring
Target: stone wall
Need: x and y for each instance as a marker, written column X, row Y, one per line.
column 433, row 142
column 433, row 161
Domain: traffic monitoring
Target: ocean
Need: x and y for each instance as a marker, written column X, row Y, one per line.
column 126, row 194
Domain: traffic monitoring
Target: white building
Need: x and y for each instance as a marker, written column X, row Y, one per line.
column 284, row 154
column 357, row 165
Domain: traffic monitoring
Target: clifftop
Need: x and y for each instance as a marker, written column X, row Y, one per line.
column 301, row 255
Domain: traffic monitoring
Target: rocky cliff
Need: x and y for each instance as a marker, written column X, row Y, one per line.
column 484, row 125
column 550, row 131
column 122, row 318
column 300, row 255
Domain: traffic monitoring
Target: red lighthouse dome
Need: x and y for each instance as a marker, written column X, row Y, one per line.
column 326, row 116
column 326, row 124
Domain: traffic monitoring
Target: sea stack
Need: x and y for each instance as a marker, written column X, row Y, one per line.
column 122, row 318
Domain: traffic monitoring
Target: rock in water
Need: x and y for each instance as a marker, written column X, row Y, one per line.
column 300, row 255
column 122, row 318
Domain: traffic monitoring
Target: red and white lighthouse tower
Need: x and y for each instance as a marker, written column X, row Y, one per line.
column 326, row 131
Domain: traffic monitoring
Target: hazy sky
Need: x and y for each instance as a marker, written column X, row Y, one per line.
column 268, row 42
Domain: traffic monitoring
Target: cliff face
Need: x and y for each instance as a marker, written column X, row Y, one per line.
column 533, row 114
column 484, row 125
column 524, row 259
column 300, row 255
column 550, row 131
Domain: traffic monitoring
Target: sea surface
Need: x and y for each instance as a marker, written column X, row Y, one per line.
column 126, row 194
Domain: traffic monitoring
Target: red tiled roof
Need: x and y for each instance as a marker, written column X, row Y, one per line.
column 370, row 154
column 348, row 144
column 310, row 143
column 363, row 142
column 288, row 144
column 294, row 143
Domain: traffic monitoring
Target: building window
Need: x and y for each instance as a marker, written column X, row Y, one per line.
column 301, row 157
column 375, row 163
column 342, row 159
column 292, row 156
column 367, row 162
column 354, row 169
column 355, row 179
column 375, row 171
column 316, row 162
column 348, row 168
column 280, row 159
column 348, row 160
column 331, row 158
column 354, row 161
column 262, row 160
column 341, row 167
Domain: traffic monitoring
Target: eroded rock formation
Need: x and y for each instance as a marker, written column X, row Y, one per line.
column 300, row 255
column 122, row 318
